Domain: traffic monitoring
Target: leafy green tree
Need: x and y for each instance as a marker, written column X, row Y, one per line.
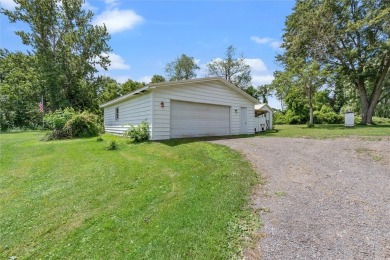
column 182, row 68
column 130, row 86
column 108, row 89
column 67, row 48
column 232, row 69
column 281, row 85
column 157, row 78
column 349, row 36
column 264, row 92
column 20, row 91
column 253, row 92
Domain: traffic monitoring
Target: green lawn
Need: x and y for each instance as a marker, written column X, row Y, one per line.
column 328, row 131
column 160, row 200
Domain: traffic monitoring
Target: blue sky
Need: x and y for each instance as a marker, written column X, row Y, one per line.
column 146, row 35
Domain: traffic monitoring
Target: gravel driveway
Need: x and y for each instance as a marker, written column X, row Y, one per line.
column 323, row 199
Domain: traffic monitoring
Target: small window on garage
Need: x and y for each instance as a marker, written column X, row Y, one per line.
column 117, row 113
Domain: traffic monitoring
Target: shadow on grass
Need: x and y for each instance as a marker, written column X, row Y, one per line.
column 180, row 141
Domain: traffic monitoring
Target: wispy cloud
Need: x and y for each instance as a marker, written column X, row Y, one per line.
column 261, row 40
column 267, row 40
column 117, row 62
column 7, row 4
column 117, row 20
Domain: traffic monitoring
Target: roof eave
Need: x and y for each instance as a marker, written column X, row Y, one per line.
column 124, row 97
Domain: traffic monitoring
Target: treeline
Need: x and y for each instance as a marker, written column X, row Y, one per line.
column 22, row 87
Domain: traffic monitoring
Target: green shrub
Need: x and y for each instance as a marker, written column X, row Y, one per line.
column 99, row 139
column 293, row 119
column 380, row 120
column 279, row 118
column 82, row 125
column 327, row 116
column 112, row 145
column 56, row 120
column 139, row 133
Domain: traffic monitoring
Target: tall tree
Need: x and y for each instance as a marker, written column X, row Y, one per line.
column 350, row 36
column 234, row 70
column 157, row 78
column 20, row 88
column 66, row 45
column 182, row 68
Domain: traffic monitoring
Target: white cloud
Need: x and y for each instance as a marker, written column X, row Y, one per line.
column 266, row 40
column 145, row 79
column 117, row 62
column 275, row 44
column 258, row 80
column 118, row 20
column 8, row 4
column 261, row 40
column 257, row 65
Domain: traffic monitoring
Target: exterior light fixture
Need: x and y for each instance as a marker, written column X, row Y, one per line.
column 235, row 110
column 162, row 104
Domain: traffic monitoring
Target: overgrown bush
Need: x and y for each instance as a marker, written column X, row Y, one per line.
column 56, row 135
column 139, row 133
column 70, row 124
column 56, row 120
column 327, row 116
column 82, row 125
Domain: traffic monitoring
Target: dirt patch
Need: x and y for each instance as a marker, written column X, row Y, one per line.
column 323, row 199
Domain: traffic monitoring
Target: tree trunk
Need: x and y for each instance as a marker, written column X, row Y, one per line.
column 368, row 105
column 311, row 116
column 309, row 94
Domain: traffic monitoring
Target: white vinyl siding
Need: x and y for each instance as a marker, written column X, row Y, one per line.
column 132, row 111
column 190, row 119
column 210, row 92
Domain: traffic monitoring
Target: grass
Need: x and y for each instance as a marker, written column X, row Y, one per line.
column 162, row 200
column 328, row 131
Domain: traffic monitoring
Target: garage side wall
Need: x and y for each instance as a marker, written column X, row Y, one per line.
column 132, row 111
column 212, row 93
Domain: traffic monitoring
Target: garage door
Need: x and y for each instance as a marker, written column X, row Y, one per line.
column 195, row 119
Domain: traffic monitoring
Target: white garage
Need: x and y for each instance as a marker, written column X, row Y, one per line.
column 188, row 108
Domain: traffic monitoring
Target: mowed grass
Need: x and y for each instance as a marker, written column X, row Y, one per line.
column 328, row 131
column 162, row 200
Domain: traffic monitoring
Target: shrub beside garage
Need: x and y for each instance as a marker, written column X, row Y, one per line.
column 68, row 123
